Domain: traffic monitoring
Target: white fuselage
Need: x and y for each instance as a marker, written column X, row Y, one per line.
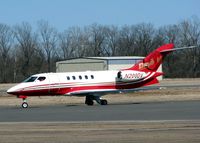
column 72, row 83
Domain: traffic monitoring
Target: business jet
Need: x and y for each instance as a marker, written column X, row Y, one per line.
column 94, row 84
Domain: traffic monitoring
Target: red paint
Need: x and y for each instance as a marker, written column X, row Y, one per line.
column 153, row 60
column 22, row 96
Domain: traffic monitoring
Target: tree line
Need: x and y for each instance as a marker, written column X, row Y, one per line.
column 24, row 51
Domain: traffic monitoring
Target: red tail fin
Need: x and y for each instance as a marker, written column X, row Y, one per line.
column 154, row 59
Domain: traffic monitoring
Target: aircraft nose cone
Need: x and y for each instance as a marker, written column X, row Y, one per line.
column 12, row 90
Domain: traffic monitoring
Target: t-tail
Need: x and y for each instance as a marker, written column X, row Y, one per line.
column 145, row 72
column 152, row 61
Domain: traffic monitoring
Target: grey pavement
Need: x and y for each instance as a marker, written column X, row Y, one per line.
column 184, row 110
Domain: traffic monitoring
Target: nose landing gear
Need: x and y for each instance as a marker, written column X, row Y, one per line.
column 24, row 104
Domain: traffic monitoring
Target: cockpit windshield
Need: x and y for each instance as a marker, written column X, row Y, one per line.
column 31, row 79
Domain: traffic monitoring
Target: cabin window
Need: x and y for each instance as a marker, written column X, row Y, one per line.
column 92, row 77
column 80, row 77
column 86, row 77
column 68, row 78
column 73, row 77
column 31, row 79
column 41, row 78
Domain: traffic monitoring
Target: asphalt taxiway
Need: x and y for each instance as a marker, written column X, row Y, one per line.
column 166, row 120
column 184, row 110
column 133, row 122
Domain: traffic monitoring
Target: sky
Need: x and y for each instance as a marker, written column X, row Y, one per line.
column 63, row 14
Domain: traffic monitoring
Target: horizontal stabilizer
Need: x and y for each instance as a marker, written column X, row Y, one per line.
column 175, row 49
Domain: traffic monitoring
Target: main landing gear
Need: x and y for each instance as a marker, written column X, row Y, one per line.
column 24, row 104
column 89, row 100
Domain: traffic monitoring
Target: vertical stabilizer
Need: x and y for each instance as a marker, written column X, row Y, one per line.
column 152, row 61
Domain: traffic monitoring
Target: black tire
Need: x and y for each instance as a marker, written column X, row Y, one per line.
column 104, row 102
column 90, row 103
column 24, row 105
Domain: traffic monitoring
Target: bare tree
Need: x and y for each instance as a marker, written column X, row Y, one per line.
column 79, row 41
column 112, row 37
column 126, row 41
column 48, row 41
column 144, row 38
column 24, row 52
column 189, row 33
column 6, row 42
column 96, row 39
column 64, row 43
column 28, row 55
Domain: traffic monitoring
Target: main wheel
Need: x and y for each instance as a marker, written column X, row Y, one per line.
column 24, row 105
column 104, row 102
column 90, row 103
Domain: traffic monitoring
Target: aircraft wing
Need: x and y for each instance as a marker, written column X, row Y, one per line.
column 104, row 92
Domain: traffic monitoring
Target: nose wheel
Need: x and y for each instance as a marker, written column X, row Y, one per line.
column 24, row 105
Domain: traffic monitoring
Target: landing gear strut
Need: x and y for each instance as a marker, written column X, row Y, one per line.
column 24, row 104
column 89, row 100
